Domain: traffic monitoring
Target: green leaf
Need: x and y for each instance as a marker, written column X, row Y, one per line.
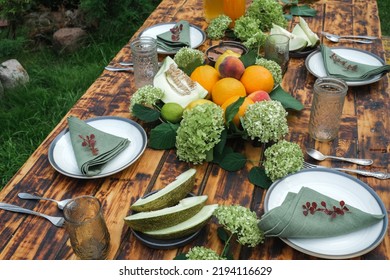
column 286, row 99
column 303, row 10
column 220, row 155
column 191, row 67
column 145, row 114
column 233, row 162
column 232, row 109
column 249, row 58
column 258, row 177
column 221, row 144
column 223, row 234
column 163, row 136
column 180, row 257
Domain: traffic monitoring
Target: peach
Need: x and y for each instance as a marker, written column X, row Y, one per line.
column 259, row 95
column 231, row 67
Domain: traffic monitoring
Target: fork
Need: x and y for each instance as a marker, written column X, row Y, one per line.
column 379, row 175
column 57, row 221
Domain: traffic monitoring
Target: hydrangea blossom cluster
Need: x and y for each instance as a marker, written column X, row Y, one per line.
column 247, row 30
column 186, row 56
column 147, row 96
column 200, row 130
column 282, row 158
column 202, row 253
column 265, row 121
column 218, row 26
column 273, row 67
column 241, row 221
column 268, row 12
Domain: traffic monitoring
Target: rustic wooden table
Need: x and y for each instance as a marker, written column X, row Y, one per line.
column 364, row 133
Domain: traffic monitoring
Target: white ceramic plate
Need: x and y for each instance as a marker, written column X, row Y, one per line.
column 62, row 158
column 315, row 65
column 339, row 186
column 197, row 35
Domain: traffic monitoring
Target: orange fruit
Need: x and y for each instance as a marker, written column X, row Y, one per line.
column 256, row 77
column 226, row 88
column 206, row 76
column 241, row 110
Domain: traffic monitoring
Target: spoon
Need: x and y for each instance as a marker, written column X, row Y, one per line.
column 349, row 36
column 60, row 204
column 319, row 156
column 337, row 39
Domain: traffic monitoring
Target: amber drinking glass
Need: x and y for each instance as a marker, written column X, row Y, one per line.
column 86, row 227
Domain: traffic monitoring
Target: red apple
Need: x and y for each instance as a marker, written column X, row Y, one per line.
column 259, row 95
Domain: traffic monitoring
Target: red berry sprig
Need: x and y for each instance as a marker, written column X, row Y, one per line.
column 313, row 207
column 89, row 141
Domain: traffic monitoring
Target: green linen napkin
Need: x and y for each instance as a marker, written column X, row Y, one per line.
column 347, row 70
column 176, row 38
column 102, row 147
column 289, row 221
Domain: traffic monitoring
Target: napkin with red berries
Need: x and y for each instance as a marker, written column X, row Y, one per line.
column 310, row 214
column 92, row 147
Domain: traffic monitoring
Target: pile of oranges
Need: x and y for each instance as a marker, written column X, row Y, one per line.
column 224, row 90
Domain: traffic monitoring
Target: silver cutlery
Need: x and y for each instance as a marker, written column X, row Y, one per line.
column 336, row 40
column 119, row 69
column 60, row 204
column 319, row 156
column 57, row 221
column 348, row 36
column 379, row 175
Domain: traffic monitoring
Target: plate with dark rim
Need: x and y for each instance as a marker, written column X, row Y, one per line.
column 197, row 35
column 315, row 64
column 62, row 158
column 339, row 186
column 156, row 243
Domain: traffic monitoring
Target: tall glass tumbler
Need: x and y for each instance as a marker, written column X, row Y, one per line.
column 277, row 48
column 327, row 108
column 88, row 232
column 145, row 59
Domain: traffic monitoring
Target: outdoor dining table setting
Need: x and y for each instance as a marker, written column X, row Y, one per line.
column 249, row 131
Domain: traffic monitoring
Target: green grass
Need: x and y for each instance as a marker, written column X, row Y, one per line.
column 384, row 15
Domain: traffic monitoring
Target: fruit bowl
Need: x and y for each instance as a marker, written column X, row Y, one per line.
column 215, row 51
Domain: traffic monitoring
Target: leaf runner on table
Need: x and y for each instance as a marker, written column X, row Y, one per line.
column 310, row 214
column 176, row 38
column 93, row 148
column 348, row 70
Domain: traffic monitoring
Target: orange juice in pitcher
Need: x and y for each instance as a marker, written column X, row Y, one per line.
column 234, row 9
column 212, row 9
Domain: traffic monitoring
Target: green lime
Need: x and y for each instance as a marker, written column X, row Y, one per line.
column 172, row 112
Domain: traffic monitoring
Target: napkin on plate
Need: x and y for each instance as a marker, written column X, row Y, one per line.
column 347, row 70
column 176, row 38
column 99, row 147
column 289, row 221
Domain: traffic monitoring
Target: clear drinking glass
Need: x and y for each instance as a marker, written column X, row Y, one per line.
column 88, row 232
column 327, row 107
column 212, row 9
column 145, row 59
column 276, row 48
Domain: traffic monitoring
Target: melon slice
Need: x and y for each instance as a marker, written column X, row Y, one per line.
column 296, row 42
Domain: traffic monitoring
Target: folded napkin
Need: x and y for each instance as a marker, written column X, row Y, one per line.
column 176, row 38
column 289, row 220
column 347, row 70
column 93, row 148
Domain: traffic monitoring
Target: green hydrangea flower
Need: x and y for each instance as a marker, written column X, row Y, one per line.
column 282, row 158
column 267, row 12
column 273, row 67
column 248, row 31
column 200, row 130
column 147, row 96
column 218, row 26
column 202, row 253
column 265, row 121
column 186, row 56
column 241, row 221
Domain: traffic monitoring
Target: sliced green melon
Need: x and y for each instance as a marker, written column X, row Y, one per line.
column 169, row 195
column 178, row 87
column 166, row 217
column 296, row 42
column 298, row 31
column 313, row 37
column 187, row 227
